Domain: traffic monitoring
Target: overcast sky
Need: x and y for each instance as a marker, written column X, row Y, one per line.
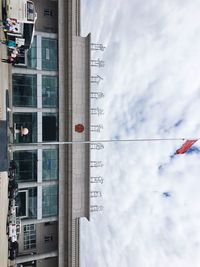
column 151, row 197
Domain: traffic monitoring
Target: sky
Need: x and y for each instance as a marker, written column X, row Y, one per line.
column 151, row 82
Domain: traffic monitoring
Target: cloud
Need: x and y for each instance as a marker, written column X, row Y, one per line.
column 152, row 87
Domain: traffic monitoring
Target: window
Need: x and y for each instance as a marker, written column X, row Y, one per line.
column 50, row 164
column 22, row 58
column 49, row 54
column 26, row 120
column 49, row 223
column 32, row 55
column 22, row 204
column 28, row 34
column 48, row 12
column 24, row 90
column 26, row 165
column 27, row 203
column 48, row 238
column 49, row 200
column 49, row 127
column 29, row 236
column 32, row 203
column 30, row 11
column 49, row 91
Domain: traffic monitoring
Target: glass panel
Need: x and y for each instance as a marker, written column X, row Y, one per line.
column 32, row 203
column 26, row 165
column 31, row 227
column 24, row 90
column 49, row 127
column 27, row 203
column 49, row 91
column 49, row 54
column 26, row 120
column 30, row 11
column 50, row 164
column 22, row 203
column 28, row 34
column 29, row 237
column 48, row 12
column 32, row 55
column 49, row 201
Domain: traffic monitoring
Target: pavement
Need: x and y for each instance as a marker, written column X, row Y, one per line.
column 5, row 72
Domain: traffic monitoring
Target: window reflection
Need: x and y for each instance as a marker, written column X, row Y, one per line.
column 49, row 200
column 50, row 164
column 24, row 90
column 25, row 120
column 26, row 165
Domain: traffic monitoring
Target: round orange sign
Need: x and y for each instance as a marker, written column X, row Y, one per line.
column 79, row 128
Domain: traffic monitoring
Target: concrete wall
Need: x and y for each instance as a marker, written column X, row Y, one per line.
column 74, row 107
column 47, row 23
column 53, row 262
column 42, row 247
column 80, row 115
column 44, row 231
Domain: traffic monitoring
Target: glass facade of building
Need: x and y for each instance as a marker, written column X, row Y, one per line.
column 49, row 201
column 49, row 54
column 32, row 203
column 32, row 55
column 35, row 95
column 49, row 164
column 49, row 127
column 24, row 90
column 25, row 120
column 49, row 91
column 26, row 165
column 27, row 203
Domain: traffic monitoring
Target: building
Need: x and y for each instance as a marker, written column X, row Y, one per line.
column 50, row 95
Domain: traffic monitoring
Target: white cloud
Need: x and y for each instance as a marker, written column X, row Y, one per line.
column 152, row 88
